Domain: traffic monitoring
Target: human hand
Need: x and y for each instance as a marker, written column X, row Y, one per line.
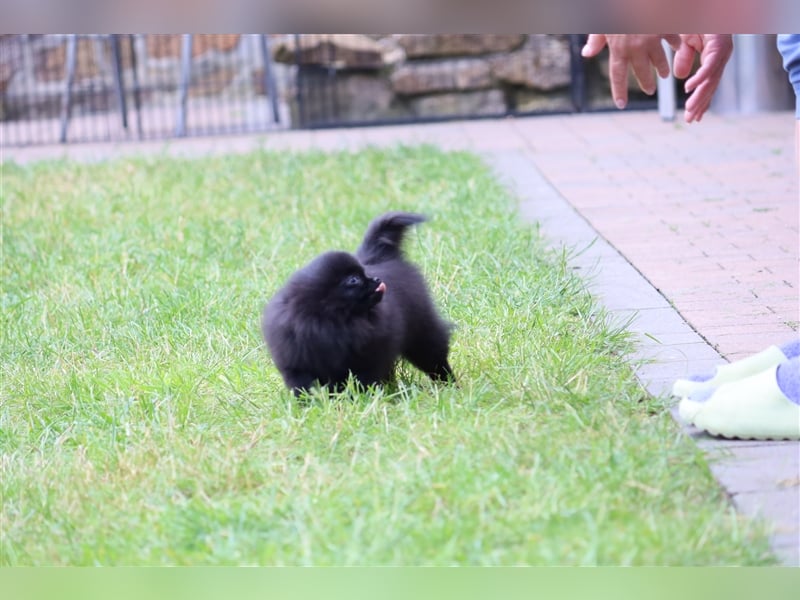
column 715, row 50
column 641, row 52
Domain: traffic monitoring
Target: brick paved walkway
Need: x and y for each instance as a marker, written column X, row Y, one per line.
column 708, row 213
column 689, row 232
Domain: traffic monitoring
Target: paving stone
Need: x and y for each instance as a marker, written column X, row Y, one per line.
column 772, row 467
column 787, row 548
column 671, row 371
column 623, row 288
column 652, row 321
column 687, row 355
column 686, row 336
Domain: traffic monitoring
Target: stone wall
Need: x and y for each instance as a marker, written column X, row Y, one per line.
column 417, row 76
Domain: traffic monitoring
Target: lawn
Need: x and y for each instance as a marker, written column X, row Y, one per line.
column 142, row 422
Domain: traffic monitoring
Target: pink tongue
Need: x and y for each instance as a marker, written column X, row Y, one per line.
column 381, row 287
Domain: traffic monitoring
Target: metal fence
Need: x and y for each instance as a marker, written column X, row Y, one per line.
column 78, row 88
column 81, row 88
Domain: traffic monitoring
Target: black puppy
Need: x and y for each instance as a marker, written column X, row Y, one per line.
column 343, row 314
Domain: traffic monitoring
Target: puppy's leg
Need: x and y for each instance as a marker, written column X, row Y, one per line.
column 298, row 381
column 429, row 355
column 437, row 369
column 441, row 371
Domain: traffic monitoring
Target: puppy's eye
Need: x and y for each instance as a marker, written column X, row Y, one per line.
column 352, row 281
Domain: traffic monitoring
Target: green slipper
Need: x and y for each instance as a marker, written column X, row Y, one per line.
column 734, row 371
column 751, row 408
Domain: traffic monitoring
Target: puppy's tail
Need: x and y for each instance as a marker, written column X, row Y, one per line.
column 384, row 237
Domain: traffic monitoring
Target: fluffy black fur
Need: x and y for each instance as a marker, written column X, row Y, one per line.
column 358, row 314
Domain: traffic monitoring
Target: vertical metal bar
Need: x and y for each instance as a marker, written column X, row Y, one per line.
column 269, row 77
column 27, row 62
column 577, row 72
column 665, row 90
column 186, row 75
column 66, row 99
column 301, row 108
column 333, row 84
column 99, row 93
column 137, row 96
column 116, row 58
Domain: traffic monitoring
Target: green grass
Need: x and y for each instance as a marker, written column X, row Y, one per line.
column 142, row 421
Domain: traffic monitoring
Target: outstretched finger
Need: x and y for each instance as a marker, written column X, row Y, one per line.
column 683, row 62
column 618, row 76
column 643, row 71
column 660, row 62
column 699, row 102
column 594, row 44
column 708, row 71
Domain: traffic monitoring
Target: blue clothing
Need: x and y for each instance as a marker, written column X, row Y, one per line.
column 789, row 46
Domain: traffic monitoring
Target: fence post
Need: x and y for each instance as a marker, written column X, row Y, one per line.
column 269, row 78
column 137, row 95
column 577, row 72
column 66, row 99
column 301, row 108
column 666, row 89
column 186, row 77
column 116, row 59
